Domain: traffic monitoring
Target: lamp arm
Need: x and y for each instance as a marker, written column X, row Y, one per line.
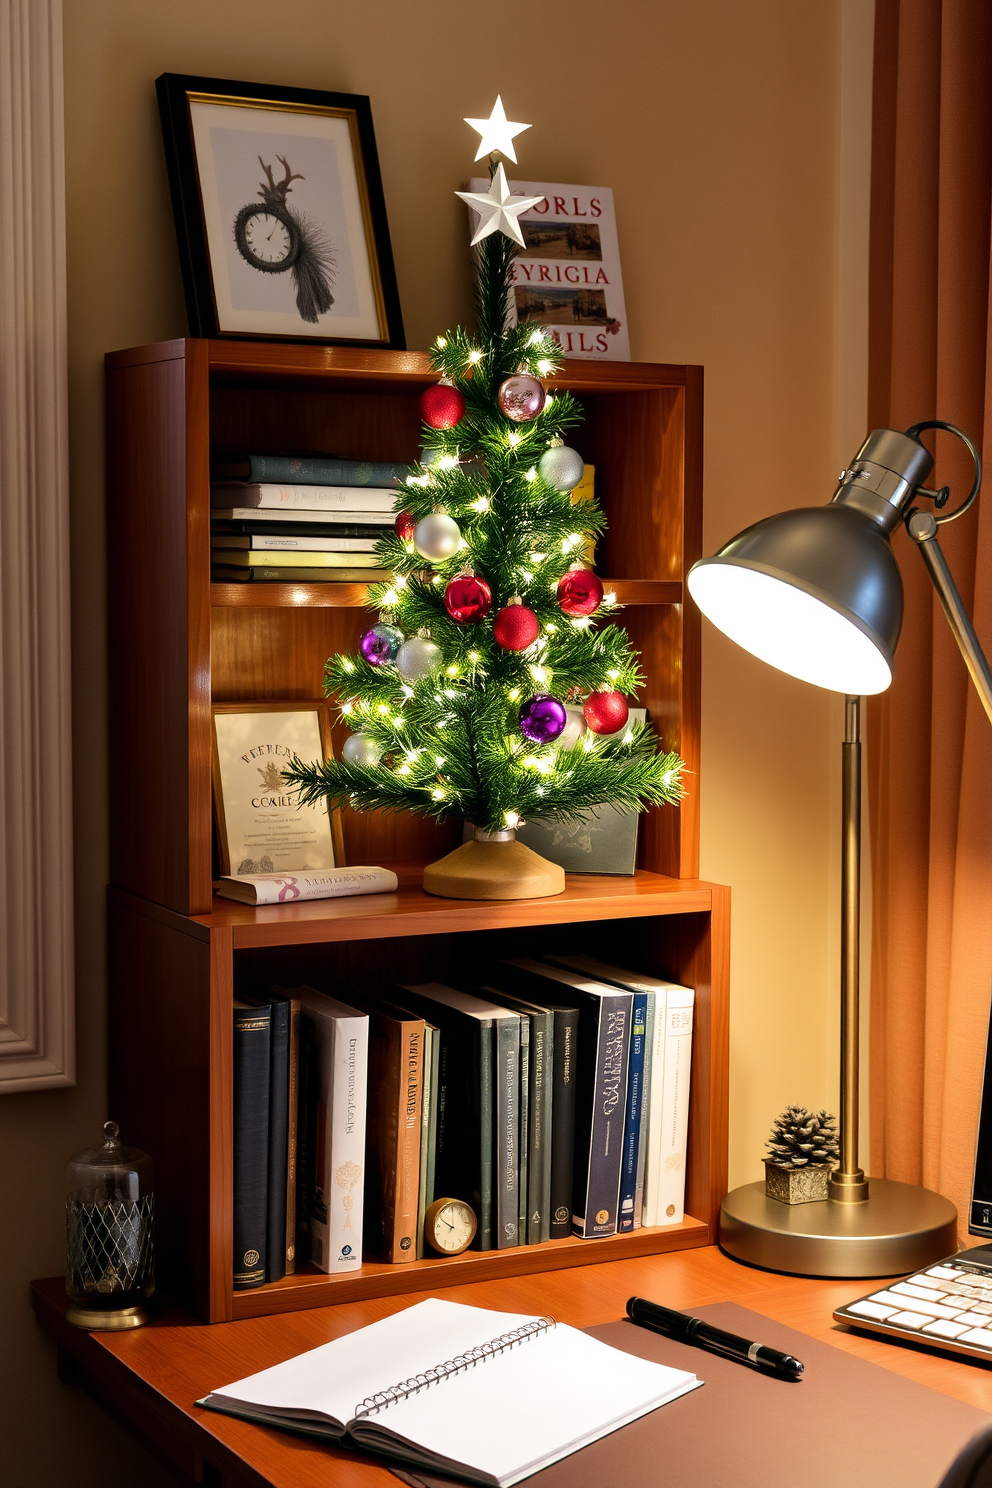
column 922, row 528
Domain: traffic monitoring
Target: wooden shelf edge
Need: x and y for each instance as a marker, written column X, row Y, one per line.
column 263, row 596
column 311, row 1289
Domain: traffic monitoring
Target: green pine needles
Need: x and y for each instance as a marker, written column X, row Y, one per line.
column 449, row 743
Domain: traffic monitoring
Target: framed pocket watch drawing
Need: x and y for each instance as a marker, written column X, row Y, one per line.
column 279, row 213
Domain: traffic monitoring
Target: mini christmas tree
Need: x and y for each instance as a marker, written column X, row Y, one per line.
column 801, row 1139
column 493, row 687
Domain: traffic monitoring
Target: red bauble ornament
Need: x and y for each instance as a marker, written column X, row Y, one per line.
column 579, row 592
column 441, row 406
column 606, row 712
column 403, row 527
column 468, row 599
column 516, row 627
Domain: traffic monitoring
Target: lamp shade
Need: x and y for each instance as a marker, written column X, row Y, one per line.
column 815, row 592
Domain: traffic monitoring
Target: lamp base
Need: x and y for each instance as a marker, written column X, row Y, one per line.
column 898, row 1229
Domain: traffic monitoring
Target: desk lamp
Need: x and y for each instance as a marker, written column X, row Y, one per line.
column 817, row 593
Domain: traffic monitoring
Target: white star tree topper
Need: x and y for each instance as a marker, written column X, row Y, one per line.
column 499, row 209
column 497, row 132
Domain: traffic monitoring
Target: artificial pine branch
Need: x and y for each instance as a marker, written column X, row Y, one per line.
column 451, row 742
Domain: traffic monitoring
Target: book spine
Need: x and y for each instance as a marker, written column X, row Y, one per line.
column 507, row 1039
column 229, row 573
column 427, row 1098
column 289, row 470
column 404, row 1237
column 486, row 1114
column 632, row 1125
column 336, row 1217
column 263, row 542
column 275, row 1247
column 645, row 1116
column 292, row 1134
column 431, row 1164
column 656, row 1100
column 523, row 1130
column 312, row 498
column 675, row 1107
column 606, row 1092
column 251, row 1051
column 539, row 1166
column 306, row 1136
column 563, row 1088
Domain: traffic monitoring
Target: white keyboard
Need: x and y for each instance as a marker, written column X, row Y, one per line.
column 948, row 1306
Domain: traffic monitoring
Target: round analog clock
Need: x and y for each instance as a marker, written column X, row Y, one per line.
column 449, row 1226
column 267, row 238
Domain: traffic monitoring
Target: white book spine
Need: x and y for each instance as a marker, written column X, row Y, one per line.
column 344, row 1050
column 652, row 1163
column 318, row 498
column 674, row 1124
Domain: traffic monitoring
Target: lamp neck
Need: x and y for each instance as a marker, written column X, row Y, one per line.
column 880, row 480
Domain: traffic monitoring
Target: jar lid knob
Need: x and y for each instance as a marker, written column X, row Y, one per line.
column 111, row 1133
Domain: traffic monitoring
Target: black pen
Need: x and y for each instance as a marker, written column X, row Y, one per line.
column 703, row 1335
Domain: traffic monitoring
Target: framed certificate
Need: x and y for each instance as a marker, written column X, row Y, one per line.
column 261, row 828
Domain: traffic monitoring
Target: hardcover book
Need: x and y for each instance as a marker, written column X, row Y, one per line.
column 311, row 470
column 538, row 1096
column 668, row 1096
column 566, row 279
column 604, row 1047
column 466, row 1098
column 251, row 1054
column 226, row 494
column 393, row 1128
column 337, row 1091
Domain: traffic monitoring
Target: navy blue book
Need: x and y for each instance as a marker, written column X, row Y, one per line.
column 308, row 470
column 252, row 1044
column 635, row 1105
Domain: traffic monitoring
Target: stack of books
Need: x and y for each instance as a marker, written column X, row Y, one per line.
column 300, row 519
column 553, row 1099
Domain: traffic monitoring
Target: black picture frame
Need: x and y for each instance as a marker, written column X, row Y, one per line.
column 206, row 247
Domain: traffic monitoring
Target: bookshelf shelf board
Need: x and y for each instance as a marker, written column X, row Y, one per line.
column 311, row 1288
column 410, row 911
column 355, row 596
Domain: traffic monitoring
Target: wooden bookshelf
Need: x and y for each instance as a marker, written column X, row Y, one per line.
column 178, row 643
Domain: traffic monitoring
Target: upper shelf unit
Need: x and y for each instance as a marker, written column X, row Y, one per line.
column 179, row 643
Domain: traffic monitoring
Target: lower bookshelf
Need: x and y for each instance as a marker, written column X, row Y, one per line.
column 172, row 981
column 310, row 1288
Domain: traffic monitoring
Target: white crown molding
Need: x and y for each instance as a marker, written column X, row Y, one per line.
column 37, row 1033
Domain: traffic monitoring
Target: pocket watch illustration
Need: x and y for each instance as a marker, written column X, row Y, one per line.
column 275, row 238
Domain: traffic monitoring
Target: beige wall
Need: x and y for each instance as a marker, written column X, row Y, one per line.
column 717, row 124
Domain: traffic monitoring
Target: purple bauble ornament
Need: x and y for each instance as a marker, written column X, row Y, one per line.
column 380, row 644
column 521, row 398
column 542, row 718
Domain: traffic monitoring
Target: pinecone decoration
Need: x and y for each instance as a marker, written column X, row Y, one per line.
column 802, row 1139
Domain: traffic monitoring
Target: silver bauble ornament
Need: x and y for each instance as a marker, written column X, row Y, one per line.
column 437, row 537
column 416, row 657
column 359, row 749
column 575, row 727
column 561, row 467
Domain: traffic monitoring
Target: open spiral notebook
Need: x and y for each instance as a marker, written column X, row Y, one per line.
column 487, row 1396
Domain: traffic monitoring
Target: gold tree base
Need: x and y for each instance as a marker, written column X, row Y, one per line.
column 494, row 866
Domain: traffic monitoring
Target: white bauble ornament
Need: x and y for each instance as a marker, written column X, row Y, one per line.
column 416, row 657
column 575, row 727
column 437, row 537
column 561, row 467
column 359, row 749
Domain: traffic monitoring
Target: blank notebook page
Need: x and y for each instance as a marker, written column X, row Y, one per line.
column 528, row 1407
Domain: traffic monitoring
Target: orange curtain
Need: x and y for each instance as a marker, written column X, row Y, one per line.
column 929, row 743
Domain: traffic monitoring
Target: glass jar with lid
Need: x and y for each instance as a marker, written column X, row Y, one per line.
column 109, row 1208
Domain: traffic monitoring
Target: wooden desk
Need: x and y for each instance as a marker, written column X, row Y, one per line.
column 150, row 1378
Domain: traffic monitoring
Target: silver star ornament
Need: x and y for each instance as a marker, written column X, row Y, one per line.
column 499, row 209
column 497, row 132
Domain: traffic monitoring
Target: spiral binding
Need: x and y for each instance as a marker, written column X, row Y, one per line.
column 460, row 1362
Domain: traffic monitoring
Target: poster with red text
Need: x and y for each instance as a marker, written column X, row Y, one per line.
column 567, row 277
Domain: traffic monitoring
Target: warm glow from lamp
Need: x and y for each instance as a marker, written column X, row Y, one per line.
column 789, row 628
